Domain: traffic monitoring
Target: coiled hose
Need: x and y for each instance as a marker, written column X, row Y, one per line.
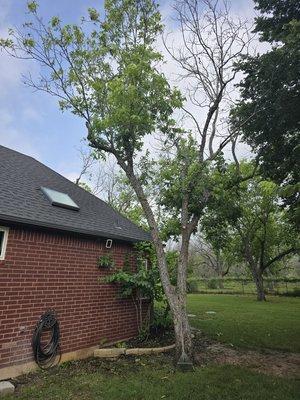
column 46, row 354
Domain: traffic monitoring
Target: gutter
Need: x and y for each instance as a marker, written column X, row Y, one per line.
column 42, row 224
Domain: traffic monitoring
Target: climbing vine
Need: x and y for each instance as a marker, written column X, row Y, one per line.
column 143, row 285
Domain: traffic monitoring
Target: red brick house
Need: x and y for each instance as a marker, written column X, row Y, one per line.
column 52, row 233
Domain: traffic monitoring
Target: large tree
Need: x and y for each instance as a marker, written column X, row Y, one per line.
column 253, row 226
column 272, row 86
column 106, row 70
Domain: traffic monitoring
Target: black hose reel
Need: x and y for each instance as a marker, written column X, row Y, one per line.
column 46, row 354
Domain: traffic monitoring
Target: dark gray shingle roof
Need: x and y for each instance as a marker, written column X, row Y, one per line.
column 22, row 201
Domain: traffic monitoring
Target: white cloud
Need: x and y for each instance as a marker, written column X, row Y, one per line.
column 4, row 9
column 31, row 114
column 10, row 71
column 11, row 137
column 12, row 100
column 10, row 68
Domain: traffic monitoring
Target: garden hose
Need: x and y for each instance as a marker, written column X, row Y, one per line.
column 48, row 354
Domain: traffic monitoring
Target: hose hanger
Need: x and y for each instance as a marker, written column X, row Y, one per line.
column 46, row 354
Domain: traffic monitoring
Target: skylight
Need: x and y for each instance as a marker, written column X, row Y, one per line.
column 59, row 199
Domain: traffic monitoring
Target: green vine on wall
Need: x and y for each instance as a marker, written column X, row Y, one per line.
column 106, row 261
column 140, row 285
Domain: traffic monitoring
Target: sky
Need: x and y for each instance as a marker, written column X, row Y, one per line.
column 31, row 122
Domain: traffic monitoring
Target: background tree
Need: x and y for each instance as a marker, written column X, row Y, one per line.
column 107, row 72
column 257, row 229
column 104, row 178
column 272, row 86
column 211, row 258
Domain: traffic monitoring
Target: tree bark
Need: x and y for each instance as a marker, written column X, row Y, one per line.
column 176, row 296
column 258, row 279
column 256, row 272
column 183, row 337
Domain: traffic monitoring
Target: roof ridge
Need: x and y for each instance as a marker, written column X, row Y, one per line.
column 18, row 152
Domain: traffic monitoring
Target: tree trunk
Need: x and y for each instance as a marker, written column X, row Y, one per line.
column 183, row 338
column 256, row 272
column 176, row 296
column 221, row 282
column 220, row 269
column 258, row 279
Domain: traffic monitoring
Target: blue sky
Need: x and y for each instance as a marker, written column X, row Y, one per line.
column 31, row 122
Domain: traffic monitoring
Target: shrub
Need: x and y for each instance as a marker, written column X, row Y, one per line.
column 162, row 320
column 294, row 293
column 212, row 283
column 192, row 285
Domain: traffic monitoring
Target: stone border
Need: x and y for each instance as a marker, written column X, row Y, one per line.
column 116, row 352
column 14, row 371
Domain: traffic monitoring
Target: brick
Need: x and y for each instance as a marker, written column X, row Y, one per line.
column 45, row 270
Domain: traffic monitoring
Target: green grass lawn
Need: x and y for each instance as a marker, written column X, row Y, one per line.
column 154, row 378
column 245, row 322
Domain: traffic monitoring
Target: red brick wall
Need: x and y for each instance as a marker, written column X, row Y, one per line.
column 45, row 270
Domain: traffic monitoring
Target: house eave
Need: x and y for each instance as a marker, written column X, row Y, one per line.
column 67, row 229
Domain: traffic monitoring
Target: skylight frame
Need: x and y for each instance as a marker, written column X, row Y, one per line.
column 65, row 202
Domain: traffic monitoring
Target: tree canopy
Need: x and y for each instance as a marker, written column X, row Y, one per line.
column 247, row 220
column 271, row 87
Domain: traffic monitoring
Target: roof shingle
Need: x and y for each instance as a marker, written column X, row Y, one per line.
column 22, row 201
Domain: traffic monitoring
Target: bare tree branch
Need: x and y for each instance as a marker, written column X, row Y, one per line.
column 212, row 40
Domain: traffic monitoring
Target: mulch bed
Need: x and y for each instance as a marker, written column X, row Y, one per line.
column 159, row 338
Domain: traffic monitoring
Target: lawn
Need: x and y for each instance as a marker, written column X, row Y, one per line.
column 153, row 378
column 245, row 322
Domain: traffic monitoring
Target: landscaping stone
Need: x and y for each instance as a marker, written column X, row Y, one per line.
column 139, row 351
column 116, row 352
column 109, row 353
column 6, row 388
